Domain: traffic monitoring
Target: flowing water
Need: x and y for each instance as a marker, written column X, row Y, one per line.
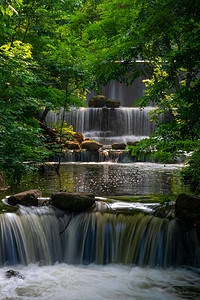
column 103, row 253
column 117, row 249
column 107, row 125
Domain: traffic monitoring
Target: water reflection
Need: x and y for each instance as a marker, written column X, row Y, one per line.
column 106, row 179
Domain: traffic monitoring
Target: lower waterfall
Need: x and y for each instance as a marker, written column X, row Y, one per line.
column 47, row 236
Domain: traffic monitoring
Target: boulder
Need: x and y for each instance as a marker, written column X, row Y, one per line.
column 118, row 146
column 133, row 143
column 79, row 137
column 112, row 103
column 91, row 146
column 26, row 198
column 73, row 145
column 72, row 201
column 187, row 207
column 97, row 101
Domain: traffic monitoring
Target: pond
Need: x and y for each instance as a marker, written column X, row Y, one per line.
column 106, row 179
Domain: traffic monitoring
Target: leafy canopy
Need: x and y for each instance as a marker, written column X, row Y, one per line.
column 164, row 37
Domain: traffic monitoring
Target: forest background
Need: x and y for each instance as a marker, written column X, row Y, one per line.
column 52, row 52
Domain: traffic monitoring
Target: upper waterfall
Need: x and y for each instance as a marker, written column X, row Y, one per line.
column 108, row 125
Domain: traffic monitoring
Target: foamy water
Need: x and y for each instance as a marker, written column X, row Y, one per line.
column 97, row 282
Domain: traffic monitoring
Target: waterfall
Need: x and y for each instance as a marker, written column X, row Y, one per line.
column 107, row 155
column 126, row 94
column 107, row 125
column 40, row 235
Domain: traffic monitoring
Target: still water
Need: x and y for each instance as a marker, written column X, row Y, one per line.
column 106, row 179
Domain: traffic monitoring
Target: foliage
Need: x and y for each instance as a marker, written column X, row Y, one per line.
column 53, row 51
column 64, row 130
column 191, row 173
column 41, row 66
column 18, row 130
column 159, row 40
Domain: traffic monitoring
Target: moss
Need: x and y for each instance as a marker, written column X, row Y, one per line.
column 159, row 198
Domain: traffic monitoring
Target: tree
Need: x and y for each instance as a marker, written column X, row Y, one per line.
column 40, row 67
column 18, row 130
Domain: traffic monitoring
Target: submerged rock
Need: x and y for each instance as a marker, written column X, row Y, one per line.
column 12, row 273
column 26, row 198
column 97, row 101
column 72, row 201
column 90, row 145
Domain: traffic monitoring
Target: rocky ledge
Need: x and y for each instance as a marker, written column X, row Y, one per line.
column 73, row 201
column 26, row 198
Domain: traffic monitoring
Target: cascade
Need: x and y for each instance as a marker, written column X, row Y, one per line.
column 107, row 125
column 40, row 235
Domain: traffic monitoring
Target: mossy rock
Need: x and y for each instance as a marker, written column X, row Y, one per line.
column 97, row 101
column 73, row 145
column 112, row 103
column 76, row 201
column 79, row 137
column 133, row 143
column 118, row 146
column 26, row 198
column 90, row 145
column 187, row 207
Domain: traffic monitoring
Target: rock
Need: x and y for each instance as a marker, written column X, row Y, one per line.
column 12, row 273
column 72, row 201
column 118, row 146
column 79, row 137
column 188, row 207
column 111, row 103
column 164, row 212
column 87, row 139
column 73, row 145
column 133, row 143
column 91, row 146
column 97, row 101
column 26, row 198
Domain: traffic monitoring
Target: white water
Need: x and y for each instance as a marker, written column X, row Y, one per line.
column 69, row 282
column 107, row 125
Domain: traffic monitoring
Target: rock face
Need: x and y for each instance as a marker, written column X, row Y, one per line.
column 97, row 101
column 91, row 146
column 111, row 103
column 118, row 146
column 188, row 207
column 27, row 198
column 72, row 201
